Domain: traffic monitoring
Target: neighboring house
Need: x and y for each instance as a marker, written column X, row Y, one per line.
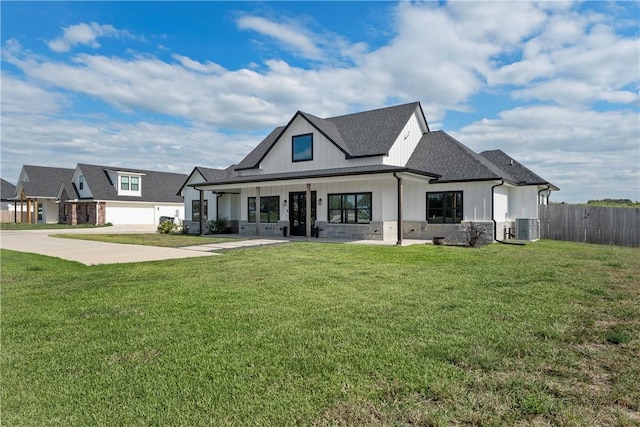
column 379, row 174
column 37, row 191
column 7, row 193
column 100, row 194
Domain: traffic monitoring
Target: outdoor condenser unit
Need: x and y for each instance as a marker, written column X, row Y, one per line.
column 527, row 229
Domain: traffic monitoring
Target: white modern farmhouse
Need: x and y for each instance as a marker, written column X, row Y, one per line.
column 379, row 174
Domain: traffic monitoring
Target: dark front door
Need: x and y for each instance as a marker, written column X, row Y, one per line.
column 298, row 212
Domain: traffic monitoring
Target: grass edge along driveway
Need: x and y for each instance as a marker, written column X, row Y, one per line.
column 324, row 334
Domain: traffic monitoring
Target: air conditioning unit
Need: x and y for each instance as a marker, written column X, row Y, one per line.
column 527, row 229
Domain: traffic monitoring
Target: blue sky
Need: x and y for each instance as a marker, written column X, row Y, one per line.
column 172, row 85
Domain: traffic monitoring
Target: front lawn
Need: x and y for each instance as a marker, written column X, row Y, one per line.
column 151, row 239
column 326, row 334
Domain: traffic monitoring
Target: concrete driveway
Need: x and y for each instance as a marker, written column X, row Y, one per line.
column 88, row 252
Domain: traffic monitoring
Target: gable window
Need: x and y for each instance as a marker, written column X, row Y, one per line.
column 444, row 207
column 350, row 208
column 124, row 183
column 81, row 182
column 269, row 209
column 195, row 210
column 302, row 147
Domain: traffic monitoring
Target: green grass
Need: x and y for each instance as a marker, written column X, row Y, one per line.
column 150, row 239
column 324, row 334
column 27, row 226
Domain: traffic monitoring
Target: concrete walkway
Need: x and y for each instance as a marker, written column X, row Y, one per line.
column 91, row 253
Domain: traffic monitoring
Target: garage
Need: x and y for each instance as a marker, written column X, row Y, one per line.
column 130, row 213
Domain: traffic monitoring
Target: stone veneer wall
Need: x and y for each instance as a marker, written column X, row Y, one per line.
column 82, row 213
column 453, row 233
column 194, row 226
column 375, row 230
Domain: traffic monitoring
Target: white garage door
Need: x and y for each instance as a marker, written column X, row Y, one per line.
column 129, row 214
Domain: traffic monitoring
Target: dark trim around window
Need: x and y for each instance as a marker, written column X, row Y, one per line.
column 195, row 209
column 444, row 207
column 269, row 209
column 302, row 147
column 350, row 208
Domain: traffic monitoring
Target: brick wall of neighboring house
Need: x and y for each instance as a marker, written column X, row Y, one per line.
column 82, row 213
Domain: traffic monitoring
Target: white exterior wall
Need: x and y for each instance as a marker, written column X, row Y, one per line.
column 86, row 191
column 49, row 211
column 325, row 154
column 190, row 194
column 405, row 144
column 523, row 202
column 501, row 196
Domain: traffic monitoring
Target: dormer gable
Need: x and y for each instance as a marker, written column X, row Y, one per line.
column 126, row 183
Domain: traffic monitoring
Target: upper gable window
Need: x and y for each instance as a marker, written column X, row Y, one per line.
column 302, row 147
column 81, row 182
column 129, row 185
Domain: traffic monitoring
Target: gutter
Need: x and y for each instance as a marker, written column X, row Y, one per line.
column 548, row 195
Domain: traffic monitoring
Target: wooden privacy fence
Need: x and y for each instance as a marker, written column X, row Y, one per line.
column 9, row 216
column 590, row 224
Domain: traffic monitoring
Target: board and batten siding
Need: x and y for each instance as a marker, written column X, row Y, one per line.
column 85, row 193
column 523, row 202
column 405, row 143
column 190, row 194
column 325, row 154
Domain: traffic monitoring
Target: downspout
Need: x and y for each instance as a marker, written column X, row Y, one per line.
column 201, row 212
column 400, row 225
column 544, row 189
column 493, row 216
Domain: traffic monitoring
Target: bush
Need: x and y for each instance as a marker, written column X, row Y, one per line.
column 476, row 234
column 167, row 227
column 219, row 225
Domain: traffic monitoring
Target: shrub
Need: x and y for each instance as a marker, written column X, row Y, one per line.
column 476, row 234
column 167, row 227
column 218, row 225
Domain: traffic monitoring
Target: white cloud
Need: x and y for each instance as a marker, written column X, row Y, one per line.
column 576, row 149
column 19, row 96
column 294, row 38
column 84, row 34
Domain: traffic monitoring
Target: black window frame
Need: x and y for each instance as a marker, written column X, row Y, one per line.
column 349, row 214
column 293, row 148
column 269, row 207
column 195, row 209
column 449, row 214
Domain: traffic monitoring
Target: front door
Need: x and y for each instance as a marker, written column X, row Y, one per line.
column 298, row 212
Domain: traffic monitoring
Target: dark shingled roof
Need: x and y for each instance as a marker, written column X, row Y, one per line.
column 7, row 189
column 45, row 181
column 439, row 153
column 155, row 186
column 210, row 174
column 518, row 173
column 365, row 134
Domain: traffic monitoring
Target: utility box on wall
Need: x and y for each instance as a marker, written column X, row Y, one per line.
column 527, row 229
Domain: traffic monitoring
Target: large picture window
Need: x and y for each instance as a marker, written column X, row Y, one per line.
column 269, row 209
column 302, row 147
column 195, row 210
column 351, row 208
column 444, row 207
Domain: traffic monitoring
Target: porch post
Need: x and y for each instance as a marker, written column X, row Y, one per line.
column 28, row 211
column 308, row 211
column 257, row 211
column 201, row 212
column 400, row 203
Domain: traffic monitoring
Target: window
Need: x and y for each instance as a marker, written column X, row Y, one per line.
column 269, row 209
column 40, row 211
column 81, row 182
column 135, row 183
column 444, row 207
column 124, row 183
column 302, row 147
column 195, row 210
column 352, row 208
